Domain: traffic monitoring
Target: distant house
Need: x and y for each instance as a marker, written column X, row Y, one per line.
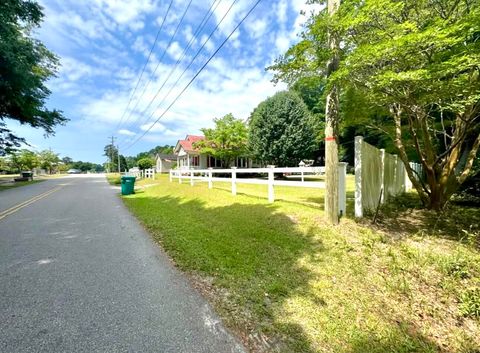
column 164, row 162
column 189, row 157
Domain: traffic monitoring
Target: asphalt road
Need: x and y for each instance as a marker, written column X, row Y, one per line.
column 79, row 274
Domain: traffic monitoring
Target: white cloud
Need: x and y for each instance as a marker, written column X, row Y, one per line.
column 258, row 27
column 125, row 11
column 175, row 51
column 126, row 132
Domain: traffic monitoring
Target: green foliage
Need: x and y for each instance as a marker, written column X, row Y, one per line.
column 470, row 302
column 25, row 65
column 281, row 130
column 48, row 160
column 417, row 63
column 24, row 160
column 85, row 166
column 145, row 163
column 227, row 141
column 166, row 149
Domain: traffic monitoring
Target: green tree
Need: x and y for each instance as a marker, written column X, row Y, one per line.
column 166, row 149
column 281, row 130
column 416, row 60
column 123, row 163
column 25, row 65
column 146, row 163
column 5, row 164
column 48, row 160
column 226, row 141
column 111, row 152
column 25, row 160
column 131, row 162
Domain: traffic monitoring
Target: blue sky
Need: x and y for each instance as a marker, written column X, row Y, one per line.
column 103, row 45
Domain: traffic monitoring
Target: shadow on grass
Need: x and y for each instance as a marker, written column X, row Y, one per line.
column 404, row 215
column 249, row 258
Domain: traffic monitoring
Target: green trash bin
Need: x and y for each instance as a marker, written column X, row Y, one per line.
column 128, row 184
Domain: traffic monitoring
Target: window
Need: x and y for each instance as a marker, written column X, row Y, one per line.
column 195, row 161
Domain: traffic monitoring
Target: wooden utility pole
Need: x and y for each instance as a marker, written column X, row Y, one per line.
column 118, row 158
column 331, row 128
column 112, row 146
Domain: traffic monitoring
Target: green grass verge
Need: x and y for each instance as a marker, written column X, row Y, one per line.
column 113, row 178
column 285, row 281
column 17, row 184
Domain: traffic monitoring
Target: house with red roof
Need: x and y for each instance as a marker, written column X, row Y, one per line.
column 190, row 157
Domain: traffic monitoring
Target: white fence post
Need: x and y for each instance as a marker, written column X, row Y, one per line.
column 170, row 172
column 179, row 177
column 303, row 179
column 191, row 177
column 234, row 181
column 210, row 183
column 358, row 176
column 382, row 175
column 342, row 189
column 271, row 191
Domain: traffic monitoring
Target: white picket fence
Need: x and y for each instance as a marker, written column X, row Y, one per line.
column 147, row 173
column 208, row 175
column 378, row 176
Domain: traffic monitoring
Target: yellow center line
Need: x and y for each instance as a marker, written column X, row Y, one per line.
column 18, row 207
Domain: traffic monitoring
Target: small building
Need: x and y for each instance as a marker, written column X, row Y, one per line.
column 164, row 162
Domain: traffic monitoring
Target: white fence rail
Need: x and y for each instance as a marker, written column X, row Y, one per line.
column 208, row 175
column 147, row 173
column 378, row 176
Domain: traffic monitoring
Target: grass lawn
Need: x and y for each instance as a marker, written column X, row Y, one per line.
column 285, row 281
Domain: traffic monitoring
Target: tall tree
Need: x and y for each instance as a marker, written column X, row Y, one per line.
column 226, row 141
column 417, row 60
column 25, row 65
column 281, row 130
column 48, row 160
column 111, row 152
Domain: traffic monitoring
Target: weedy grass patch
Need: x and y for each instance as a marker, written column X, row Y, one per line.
column 113, row 178
column 285, row 281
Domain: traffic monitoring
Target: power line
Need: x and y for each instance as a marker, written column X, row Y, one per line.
column 145, row 65
column 160, row 60
column 188, row 66
column 198, row 31
column 198, row 73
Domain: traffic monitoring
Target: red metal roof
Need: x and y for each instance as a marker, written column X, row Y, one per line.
column 187, row 144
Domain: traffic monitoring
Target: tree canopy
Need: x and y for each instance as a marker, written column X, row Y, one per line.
column 416, row 64
column 145, row 163
column 226, row 141
column 281, row 130
column 25, row 66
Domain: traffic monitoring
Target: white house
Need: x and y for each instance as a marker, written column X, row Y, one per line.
column 164, row 162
